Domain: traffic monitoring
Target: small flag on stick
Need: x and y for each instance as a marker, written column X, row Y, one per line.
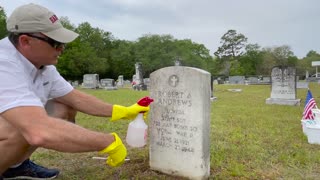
column 309, row 104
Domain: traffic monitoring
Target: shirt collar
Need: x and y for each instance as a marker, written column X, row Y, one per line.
column 29, row 67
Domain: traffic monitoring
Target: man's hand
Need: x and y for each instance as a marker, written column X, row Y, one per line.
column 121, row 112
column 117, row 152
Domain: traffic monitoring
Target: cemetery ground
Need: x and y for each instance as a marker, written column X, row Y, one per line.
column 249, row 139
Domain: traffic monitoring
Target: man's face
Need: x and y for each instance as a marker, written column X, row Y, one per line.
column 44, row 50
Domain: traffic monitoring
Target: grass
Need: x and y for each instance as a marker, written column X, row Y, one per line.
column 249, row 140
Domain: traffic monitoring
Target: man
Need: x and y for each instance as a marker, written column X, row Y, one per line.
column 34, row 99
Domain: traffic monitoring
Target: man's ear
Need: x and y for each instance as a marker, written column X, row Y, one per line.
column 24, row 41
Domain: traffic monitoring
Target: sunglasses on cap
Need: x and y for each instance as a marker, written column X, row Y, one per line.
column 55, row 44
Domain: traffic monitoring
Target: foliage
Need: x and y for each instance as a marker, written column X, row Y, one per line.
column 305, row 64
column 232, row 46
column 275, row 56
column 281, row 55
column 158, row 51
column 123, row 58
column 251, row 60
column 3, row 28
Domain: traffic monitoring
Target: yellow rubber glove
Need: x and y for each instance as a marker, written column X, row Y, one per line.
column 117, row 152
column 121, row 112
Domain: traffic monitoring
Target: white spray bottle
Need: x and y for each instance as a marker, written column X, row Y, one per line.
column 138, row 130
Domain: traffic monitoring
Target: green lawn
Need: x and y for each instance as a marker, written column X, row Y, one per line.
column 249, row 140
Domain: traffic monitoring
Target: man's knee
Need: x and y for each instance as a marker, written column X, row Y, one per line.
column 13, row 146
column 59, row 110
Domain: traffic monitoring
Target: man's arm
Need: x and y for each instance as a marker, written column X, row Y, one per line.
column 86, row 103
column 43, row 131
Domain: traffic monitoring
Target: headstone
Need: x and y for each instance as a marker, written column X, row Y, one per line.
column 126, row 83
column 139, row 76
column 266, row 80
column 120, row 81
column 253, row 80
column 220, row 80
column 108, row 84
column 302, row 85
column 180, row 122
column 236, row 79
column 283, row 86
column 212, row 98
column 146, row 82
column 137, row 82
column 177, row 62
column 91, row 81
column 75, row 83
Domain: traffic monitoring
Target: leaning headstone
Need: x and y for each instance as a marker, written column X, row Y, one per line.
column 180, row 122
column 283, row 86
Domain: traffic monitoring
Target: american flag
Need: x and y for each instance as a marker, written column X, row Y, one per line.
column 309, row 104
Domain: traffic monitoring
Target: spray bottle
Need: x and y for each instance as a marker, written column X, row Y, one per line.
column 138, row 129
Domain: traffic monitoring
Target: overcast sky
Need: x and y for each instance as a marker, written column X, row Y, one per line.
column 268, row 23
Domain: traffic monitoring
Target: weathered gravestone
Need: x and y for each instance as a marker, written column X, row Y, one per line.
column 302, row 85
column 120, row 81
column 266, row 80
column 253, row 80
column 212, row 98
column 236, row 79
column 180, row 122
column 108, row 84
column 75, row 83
column 138, row 78
column 90, row 81
column 283, row 86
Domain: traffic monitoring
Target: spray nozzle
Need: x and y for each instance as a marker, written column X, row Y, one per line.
column 145, row 101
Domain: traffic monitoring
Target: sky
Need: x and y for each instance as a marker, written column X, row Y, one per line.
column 269, row 23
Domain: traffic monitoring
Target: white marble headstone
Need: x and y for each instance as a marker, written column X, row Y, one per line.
column 180, row 122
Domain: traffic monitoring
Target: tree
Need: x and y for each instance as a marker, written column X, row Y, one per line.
column 3, row 24
column 232, row 45
column 192, row 54
column 312, row 53
column 87, row 54
column 268, row 61
column 305, row 64
column 282, row 55
column 232, row 48
column 123, row 58
column 155, row 52
column 276, row 56
column 251, row 59
column 158, row 51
